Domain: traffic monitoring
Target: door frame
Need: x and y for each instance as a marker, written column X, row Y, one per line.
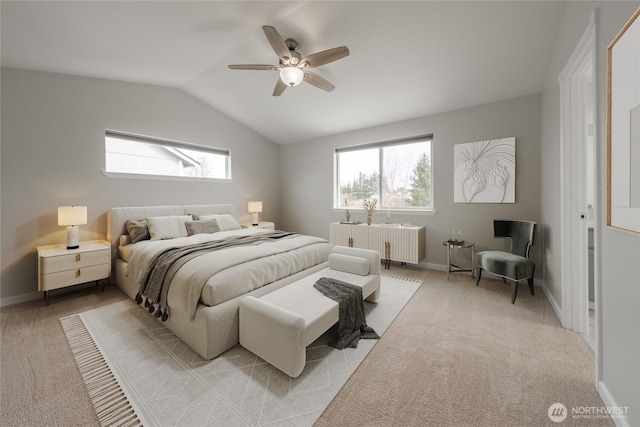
column 572, row 193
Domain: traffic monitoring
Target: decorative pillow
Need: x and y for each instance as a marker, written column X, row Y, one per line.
column 349, row 264
column 225, row 221
column 167, row 227
column 207, row 226
column 137, row 230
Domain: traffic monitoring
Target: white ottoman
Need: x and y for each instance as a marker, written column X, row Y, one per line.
column 280, row 325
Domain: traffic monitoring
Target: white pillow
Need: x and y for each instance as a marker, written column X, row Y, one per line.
column 349, row 264
column 225, row 221
column 167, row 227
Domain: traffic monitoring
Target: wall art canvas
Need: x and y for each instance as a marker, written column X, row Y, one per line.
column 485, row 171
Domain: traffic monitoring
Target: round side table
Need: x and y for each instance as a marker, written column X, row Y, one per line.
column 452, row 268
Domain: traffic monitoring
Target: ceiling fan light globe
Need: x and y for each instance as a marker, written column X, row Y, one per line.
column 291, row 76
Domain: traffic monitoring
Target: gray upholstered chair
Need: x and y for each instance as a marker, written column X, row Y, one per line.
column 514, row 265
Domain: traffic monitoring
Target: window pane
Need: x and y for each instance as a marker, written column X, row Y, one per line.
column 358, row 176
column 125, row 155
column 396, row 173
column 407, row 175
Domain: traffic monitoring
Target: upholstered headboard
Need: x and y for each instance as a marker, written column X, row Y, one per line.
column 116, row 217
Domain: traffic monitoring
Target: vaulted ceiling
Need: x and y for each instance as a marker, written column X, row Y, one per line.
column 407, row 60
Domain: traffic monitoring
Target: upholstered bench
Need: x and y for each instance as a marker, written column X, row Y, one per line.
column 280, row 325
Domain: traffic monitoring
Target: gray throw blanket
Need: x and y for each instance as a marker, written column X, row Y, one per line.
column 154, row 286
column 351, row 320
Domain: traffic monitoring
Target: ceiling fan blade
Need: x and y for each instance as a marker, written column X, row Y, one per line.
column 277, row 42
column 326, row 56
column 253, row 67
column 317, row 81
column 280, row 87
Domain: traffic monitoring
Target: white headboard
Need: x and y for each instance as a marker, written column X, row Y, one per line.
column 116, row 217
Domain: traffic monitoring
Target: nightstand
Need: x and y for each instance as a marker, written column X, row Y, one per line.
column 59, row 267
column 266, row 225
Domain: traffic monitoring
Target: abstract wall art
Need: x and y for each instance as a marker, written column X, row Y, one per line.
column 485, row 171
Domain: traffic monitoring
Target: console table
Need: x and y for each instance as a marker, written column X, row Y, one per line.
column 393, row 242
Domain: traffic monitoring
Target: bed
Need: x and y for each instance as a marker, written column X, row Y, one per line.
column 205, row 294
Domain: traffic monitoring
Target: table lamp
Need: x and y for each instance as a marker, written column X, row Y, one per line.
column 72, row 217
column 255, row 208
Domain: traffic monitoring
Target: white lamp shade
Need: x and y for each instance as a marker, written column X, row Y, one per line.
column 291, row 76
column 255, row 207
column 72, row 215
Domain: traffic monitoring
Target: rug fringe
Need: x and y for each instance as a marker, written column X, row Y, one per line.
column 406, row 279
column 109, row 401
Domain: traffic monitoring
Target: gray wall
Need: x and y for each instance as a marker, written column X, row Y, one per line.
column 307, row 176
column 620, row 253
column 53, row 154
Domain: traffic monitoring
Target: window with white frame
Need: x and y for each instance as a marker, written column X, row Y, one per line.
column 134, row 154
column 396, row 173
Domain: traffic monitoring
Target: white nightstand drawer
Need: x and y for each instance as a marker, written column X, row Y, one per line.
column 73, row 261
column 73, row 277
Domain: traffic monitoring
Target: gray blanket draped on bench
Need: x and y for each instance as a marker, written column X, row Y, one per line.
column 351, row 320
column 154, row 286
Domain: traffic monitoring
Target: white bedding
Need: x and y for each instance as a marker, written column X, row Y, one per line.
column 225, row 274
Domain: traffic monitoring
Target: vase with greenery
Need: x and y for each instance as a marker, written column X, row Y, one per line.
column 369, row 207
column 347, row 214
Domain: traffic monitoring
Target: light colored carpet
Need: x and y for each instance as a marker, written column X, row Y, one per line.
column 166, row 383
column 463, row 355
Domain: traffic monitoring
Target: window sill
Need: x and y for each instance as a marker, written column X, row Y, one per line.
column 416, row 212
column 162, row 177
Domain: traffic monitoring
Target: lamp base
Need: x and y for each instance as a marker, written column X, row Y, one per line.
column 72, row 237
column 254, row 219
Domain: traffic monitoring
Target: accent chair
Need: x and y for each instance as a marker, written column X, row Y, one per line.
column 514, row 265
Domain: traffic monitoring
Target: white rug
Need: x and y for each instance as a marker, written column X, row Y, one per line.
column 138, row 372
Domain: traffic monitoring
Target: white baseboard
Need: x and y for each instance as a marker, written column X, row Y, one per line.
column 31, row 296
column 433, row 266
column 610, row 402
column 554, row 303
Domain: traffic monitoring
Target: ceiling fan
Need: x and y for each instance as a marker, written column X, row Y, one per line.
column 293, row 66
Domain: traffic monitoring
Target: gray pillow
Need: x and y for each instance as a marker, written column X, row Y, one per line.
column 137, row 230
column 207, row 226
column 225, row 221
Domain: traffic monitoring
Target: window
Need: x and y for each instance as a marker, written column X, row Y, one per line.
column 133, row 154
column 396, row 173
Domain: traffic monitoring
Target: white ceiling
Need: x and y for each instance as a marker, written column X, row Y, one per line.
column 408, row 59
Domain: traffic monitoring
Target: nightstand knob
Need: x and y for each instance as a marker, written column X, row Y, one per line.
column 77, row 273
column 77, row 257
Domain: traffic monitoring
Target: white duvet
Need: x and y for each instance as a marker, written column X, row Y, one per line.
column 225, row 274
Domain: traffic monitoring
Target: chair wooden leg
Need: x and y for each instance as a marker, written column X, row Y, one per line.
column 530, row 281
column 479, row 274
column 514, row 291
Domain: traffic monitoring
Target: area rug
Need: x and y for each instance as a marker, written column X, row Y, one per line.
column 138, row 373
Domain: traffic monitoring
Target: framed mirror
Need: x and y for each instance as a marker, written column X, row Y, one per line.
column 623, row 129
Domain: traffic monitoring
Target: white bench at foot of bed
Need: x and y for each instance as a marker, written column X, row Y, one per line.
column 280, row 325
